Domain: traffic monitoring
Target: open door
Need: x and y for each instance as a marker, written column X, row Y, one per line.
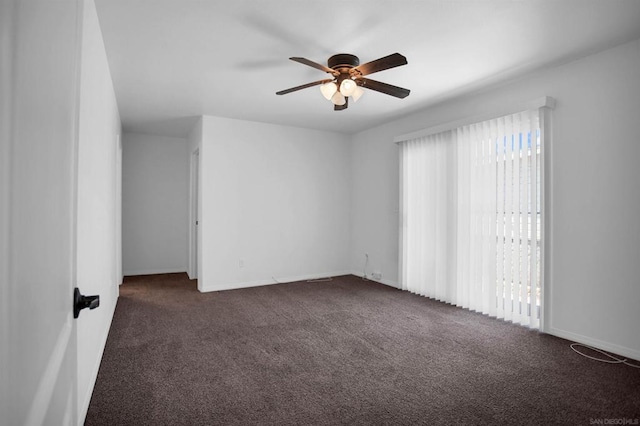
column 39, row 113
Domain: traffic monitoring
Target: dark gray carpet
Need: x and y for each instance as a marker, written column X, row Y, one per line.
column 342, row 352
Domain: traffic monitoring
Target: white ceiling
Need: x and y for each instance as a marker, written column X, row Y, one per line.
column 174, row 60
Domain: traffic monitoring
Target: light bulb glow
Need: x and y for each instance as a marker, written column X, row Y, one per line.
column 338, row 99
column 347, row 87
column 357, row 93
column 328, row 89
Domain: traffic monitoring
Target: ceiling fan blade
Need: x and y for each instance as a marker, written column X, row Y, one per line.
column 304, row 86
column 391, row 61
column 315, row 65
column 342, row 107
column 385, row 88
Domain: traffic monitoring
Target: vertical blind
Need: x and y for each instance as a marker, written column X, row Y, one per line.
column 471, row 217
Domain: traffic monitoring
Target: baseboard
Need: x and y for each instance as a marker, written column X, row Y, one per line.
column 390, row 283
column 82, row 414
column 605, row 346
column 274, row 280
column 155, row 271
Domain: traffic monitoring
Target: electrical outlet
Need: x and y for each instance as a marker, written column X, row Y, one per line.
column 377, row 275
column 241, row 263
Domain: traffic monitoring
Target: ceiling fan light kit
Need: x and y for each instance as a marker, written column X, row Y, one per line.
column 338, row 99
column 357, row 94
column 348, row 78
column 328, row 89
column 347, row 87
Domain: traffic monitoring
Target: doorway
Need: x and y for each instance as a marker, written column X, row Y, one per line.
column 194, row 219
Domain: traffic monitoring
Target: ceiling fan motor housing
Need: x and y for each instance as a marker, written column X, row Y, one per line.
column 343, row 60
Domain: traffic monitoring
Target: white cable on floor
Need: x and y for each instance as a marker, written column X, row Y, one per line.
column 320, row 280
column 612, row 359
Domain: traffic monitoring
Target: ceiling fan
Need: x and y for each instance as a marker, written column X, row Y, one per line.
column 347, row 78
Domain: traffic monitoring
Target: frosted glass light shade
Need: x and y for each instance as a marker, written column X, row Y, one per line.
column 328, row 89
column 357, row 93
column 347, row 87
column 338, row 99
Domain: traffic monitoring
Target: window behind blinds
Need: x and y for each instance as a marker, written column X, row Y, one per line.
column 472, row 216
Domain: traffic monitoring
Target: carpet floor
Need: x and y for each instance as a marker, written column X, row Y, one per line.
column 347, row 351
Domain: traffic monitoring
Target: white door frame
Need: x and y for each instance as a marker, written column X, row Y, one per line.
column 118, row 207
column 194, row 220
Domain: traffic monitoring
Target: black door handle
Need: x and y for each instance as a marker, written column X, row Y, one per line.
column 80, row 302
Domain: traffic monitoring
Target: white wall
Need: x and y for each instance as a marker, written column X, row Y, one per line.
column 275, row 203
column 594, row 288
column 98, row 249
column 7, row 43
column 155, row 194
